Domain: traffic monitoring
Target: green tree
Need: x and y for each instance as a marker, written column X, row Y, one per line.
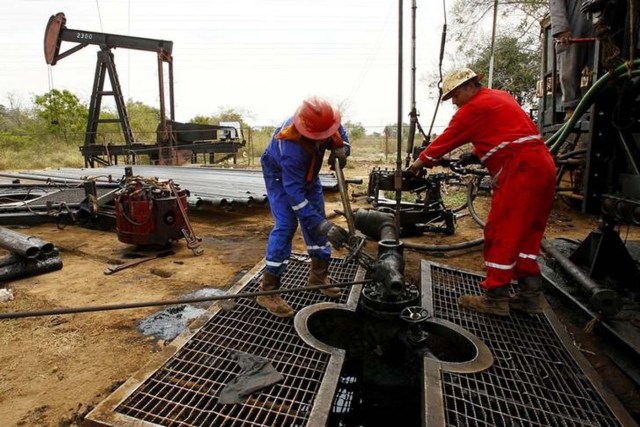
column 64, row 114
column 225, row 114
column 17, row 130
column 515, row 68
column 144, row 121
column 517, row 46
column 13, row 116
column 201, row 120
column 354, row 130
column 520, row 17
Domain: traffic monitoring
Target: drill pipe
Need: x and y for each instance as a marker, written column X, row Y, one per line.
column 604, row 301
column 389, row 267
column 28, row 246
column 29, row 267
column 375, row 224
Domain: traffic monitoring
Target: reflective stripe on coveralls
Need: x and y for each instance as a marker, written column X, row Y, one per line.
column 292, row 199
column 520, row 205
column 300, row 206
column 504, row 144
column 510, row 266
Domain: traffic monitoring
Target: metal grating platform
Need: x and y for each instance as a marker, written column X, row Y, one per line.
column 538, row 377
column 184, row 390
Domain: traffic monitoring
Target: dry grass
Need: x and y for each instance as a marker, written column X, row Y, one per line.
column 42, row 157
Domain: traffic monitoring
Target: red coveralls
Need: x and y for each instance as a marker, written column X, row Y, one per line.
column 510, row 147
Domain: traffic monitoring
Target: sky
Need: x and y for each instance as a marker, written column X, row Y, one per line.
column 262, row 57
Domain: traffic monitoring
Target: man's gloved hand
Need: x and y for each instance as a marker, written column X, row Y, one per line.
column 336, row 235
column 410, row 173
column 592, row 6
column 341, row 155
column 468, row 159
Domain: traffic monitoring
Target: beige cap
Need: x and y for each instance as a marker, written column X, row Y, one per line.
column 456, row 78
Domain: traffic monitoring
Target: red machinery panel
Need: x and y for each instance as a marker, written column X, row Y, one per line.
column 151, row 212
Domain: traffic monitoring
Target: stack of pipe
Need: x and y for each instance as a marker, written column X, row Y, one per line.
column 29, row 256
column 207, row 186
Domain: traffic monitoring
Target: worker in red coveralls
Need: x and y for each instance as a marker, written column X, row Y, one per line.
column 509, row 145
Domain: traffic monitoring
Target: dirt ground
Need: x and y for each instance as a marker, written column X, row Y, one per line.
column 55, row 369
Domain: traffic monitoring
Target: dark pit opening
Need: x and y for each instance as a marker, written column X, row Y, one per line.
column 381, row 380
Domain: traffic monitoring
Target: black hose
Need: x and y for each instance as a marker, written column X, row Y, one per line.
column 470, row 198
column 443, row 248
column 74, row 310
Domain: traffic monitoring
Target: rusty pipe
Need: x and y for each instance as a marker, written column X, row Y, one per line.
column 29, row 267
column 27, row 246
column 603, row 301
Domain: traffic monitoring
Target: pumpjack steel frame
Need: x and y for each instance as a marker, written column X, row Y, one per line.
column 168, row 137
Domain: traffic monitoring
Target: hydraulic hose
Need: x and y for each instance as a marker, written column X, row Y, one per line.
column 470, row 199
column 443, row 248
column 556, row 140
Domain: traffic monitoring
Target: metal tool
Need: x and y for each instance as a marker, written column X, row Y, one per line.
column 119, row 267
column 193, row 242
column 344, row 195
column 354, row 243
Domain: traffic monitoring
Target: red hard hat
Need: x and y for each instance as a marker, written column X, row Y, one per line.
column 316, row 118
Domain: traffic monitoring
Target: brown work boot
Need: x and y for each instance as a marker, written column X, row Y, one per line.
column 319, row 275
column 494, row 301
column 529, row 295
column 273, row 303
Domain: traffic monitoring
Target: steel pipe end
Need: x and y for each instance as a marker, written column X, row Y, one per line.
column 194, row 203
column 32, row 252
column 47, row 249
column 606, row 302
column 395, row 286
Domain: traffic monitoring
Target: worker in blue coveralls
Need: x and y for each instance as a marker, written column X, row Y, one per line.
column 290, row 166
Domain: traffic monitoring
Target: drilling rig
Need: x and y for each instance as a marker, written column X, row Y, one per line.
column 597, row 154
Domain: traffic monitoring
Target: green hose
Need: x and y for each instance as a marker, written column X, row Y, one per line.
column 556, row 140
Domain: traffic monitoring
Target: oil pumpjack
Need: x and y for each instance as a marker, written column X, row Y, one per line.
column 174, row 139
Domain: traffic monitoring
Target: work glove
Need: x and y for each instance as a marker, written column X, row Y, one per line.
column 336, row 235
column 410, row 174
column 341, row 155
column 468, row 159
column 592, row 6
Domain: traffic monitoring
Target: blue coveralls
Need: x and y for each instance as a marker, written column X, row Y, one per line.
column 286, row 166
